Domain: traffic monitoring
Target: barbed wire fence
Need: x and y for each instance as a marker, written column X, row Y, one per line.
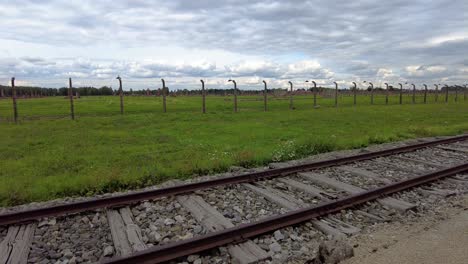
column 28, row 88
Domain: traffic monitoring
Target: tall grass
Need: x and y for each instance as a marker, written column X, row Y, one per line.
column 103, row 151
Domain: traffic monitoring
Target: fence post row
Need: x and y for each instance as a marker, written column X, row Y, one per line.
column 203, row 97
column 336, row 94
column 70, row 95
column 291, row 96
column 15, row 108
column 164, row 95
column 235, row 94
column 386, row 93
column 121, row 95
column 265, row 95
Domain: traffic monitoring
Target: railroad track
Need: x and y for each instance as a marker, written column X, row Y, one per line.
column 236, row 217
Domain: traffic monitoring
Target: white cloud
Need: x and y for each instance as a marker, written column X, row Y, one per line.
column 422, row 70
column 460, row 36
column 384, row 73
column 253, row 80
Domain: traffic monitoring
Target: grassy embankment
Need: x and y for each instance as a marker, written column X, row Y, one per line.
column 103, row 151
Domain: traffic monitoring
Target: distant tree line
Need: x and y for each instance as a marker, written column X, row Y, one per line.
column 30, row 91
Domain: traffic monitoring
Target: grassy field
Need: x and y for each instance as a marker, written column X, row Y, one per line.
column 47, row 155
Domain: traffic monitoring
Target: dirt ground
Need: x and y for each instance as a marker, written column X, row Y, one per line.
column 444, row 241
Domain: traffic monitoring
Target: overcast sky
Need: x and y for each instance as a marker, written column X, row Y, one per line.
column 45, row 42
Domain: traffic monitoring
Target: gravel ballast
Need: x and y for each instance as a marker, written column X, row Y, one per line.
column 81, row 238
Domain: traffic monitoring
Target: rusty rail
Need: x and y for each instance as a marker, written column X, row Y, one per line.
column 124, row 199
column 160, row 254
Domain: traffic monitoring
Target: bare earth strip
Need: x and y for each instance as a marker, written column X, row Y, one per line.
column 443, row 242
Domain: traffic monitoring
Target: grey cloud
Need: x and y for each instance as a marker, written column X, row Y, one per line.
column 353, row 38
column 446, row 49
column 428, row 72
column 464, row 62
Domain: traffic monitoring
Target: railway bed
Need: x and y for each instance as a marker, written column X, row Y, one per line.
column 276, row 214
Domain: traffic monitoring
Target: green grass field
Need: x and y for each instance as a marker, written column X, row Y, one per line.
column 47, row 155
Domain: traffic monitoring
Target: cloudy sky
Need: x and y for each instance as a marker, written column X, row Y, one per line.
column 45, row 42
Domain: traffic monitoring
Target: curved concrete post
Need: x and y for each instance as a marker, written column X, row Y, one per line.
column 203, row 97
column 121, row 95
column 235, row 95
column 291, row 95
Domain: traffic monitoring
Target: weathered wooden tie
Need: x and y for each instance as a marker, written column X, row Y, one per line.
column 364, row 173
column 323, row 195
column 457, row 149
column 276, row 196
column 212, row 220
column 340, row 225
column 125, row 233
column 465, row 145
column 373, row 217
column 291, row 203
column 439, row 192
column 460, row 178
column 457, row 180
column 428, row 163
column 324, row 180
column 14, row 249
column 315, row 192
column 394, row 166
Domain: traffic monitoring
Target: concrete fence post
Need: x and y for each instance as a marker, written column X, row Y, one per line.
column 464, row 93
column 15, row 108
column 425, row 93
column 164, row 95
column 291, row 106
column 121, row 95
column 386, row 93
column 235, row 94
column 70, row 95
column 315, row 94
column 401, row 93
column 436, row 92
column 414, row 93
column 265, row 96
column 354, row 93
column 446, row 93
column 336, row 94
column 203, row 96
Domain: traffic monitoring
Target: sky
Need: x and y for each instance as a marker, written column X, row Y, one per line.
column 45, row 42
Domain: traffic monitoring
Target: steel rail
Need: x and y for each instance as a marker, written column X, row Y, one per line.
column 171, row 251
column 124, row 199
